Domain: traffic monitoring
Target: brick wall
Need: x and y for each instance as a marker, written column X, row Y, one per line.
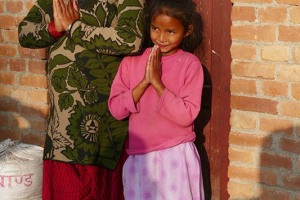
column 264, row 142
column 23, row 84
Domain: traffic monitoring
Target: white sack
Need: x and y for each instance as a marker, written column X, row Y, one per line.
column 20, row 171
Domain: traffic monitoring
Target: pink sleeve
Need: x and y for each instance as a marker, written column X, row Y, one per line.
column 184, row 108
column 121, row 103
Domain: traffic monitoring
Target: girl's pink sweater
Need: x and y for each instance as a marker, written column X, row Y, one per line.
column 158, row 122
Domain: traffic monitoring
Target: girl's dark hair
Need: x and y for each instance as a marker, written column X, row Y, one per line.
column 182, row 10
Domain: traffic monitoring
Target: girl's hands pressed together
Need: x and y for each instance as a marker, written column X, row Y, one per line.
column 64, row 14
column 153, row 70
column 152, row 75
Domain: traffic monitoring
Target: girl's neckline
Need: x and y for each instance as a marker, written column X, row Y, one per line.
column 167, row 57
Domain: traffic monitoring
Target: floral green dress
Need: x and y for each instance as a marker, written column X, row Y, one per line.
column 80, row 70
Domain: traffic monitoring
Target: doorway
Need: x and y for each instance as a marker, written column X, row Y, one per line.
column 212, row 125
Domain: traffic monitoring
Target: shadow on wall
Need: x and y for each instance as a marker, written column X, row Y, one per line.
column 21, row 122
column 200, row 123
column 280, row 165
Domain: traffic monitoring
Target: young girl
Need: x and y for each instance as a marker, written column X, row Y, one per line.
column 160, row 90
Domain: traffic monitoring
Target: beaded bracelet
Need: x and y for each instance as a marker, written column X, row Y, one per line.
column 53, row 32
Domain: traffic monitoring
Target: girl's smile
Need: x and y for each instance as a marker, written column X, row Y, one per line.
column 167, row 33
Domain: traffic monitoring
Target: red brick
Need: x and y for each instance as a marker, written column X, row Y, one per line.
column 292, row 181
column 276, row 125
column 19, row 122
column 3, row 64
column 2, row 6
column 273, row 193
column 289, row 2
column 241, row 190
column 253, row 70
column 275, row 160
column 253, row 175
column 243, row 120
column 275, row 53
column 17, row 65
column 38, row 124
column 4, row 119
column 8, row 106
column 288, row 73
column 1, row 36
column 241, row 156
column 290, row 145
column 275, row 88
column 7, row 22
column 35, row 139
column 38, row 96
column 268, row 177
column 250, row 140
column 8, row 50
column 242, row 86
column 7, row 133
column 289, row 108
column 272, row 14
column 244, row 173
column 34, row 111
column 3, row 91
column 244, row 13
column 19, row 93
column 7, row 78
column 289, row 33
column 37, row 67
column 254, row 33
column 243, row 51
column 37, row 81
column 251, row 1
column 295, row 15
column 33, row 53
column 298, row 130
column 14, row 6
column 254, row 104
column 296, row 91
column 12, row 36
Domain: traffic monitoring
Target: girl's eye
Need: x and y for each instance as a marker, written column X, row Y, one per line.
column 171, row 32
column 153, row 28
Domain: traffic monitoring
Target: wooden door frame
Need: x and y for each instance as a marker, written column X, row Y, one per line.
column 216, row 16
column 221, row 76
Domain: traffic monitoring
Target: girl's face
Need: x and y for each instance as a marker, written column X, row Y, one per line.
column 167, row 32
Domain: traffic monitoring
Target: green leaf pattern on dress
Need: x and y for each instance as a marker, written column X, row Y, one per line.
column 80, row 69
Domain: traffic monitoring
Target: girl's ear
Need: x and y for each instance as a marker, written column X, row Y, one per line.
column 190, row 30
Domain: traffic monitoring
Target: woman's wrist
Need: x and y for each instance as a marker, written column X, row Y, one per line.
column 53, row 31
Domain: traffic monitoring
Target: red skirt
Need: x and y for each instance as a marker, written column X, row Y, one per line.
column 63, row 181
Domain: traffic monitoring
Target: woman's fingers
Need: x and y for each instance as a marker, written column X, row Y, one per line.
column 57, row 17
column 65, row 14
column 61, row 7
column 73, row 9
column 75, row 5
